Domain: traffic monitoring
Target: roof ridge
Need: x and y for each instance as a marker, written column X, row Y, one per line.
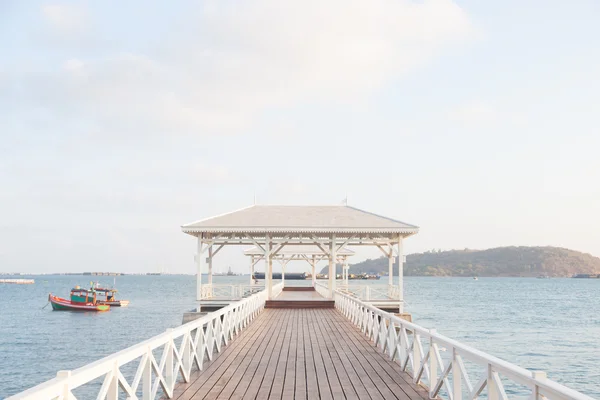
column 381, row 216
column 220, row 215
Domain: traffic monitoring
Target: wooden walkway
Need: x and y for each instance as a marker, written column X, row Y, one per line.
column 300, row 354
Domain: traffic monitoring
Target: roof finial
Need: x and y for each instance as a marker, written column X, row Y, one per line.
column 254, row 196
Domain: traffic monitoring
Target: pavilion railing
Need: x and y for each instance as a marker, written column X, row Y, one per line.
column 443, row 365
column 370, row 292
column 322, row 289
column 224, row 291
column 277, row 289
column 182, row 350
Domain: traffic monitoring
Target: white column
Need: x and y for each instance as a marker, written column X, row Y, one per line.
column 268, row 268
column 283, row 264
column 346, row 269
column 332, row 263
column 390, row 266
column 314, row 270
column 401, row 273
column 210, row 269
column 199, row 259
column 251, row 270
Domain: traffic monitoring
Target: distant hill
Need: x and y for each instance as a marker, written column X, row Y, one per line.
column 500, row 261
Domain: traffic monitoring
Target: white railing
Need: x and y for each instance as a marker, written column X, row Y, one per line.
column 277, row 289
column 233, row 292
column 419, row 352
column 322, row 289
column 199, row 340
column 371, row 292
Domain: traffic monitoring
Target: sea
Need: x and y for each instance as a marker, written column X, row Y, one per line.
column 540, row 324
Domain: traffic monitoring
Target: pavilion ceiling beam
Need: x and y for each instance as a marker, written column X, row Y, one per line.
column 214, row 253
column 386, row 252
column 255, row 243
column 345, row 243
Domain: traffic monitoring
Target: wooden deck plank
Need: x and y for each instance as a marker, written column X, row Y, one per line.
column 389, row 367
column 389, row 372
column 284, row 358
column 362, row 356
column 300, row 375
column 289, row 380
column 384, row 383
column 263, row 378
column 364, row 379
column 312, row 384
column 204, row 380
column 351, row 384
column 336, row 375
column 322, row 378
column 304, row 354
column 249, row 376
column 229, row 380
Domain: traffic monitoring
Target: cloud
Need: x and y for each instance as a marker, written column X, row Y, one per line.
column 473, row 113
column 65, row 18
column 229, row 62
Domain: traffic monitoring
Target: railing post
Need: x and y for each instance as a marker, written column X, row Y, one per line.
column 187, row 359
column 492, row 388
column 113, row 389
column 416, row 356
column 535, row 390
column 402, row 345
column 147, row 376
column 66, row 375
column 433, row 364
column 456, row 376
column 169, row 363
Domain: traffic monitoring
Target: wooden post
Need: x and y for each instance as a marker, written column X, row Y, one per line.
column 268, row 268
column 210, row 265
column 492, row 388
column 400, row 274
column 283, row 264
column 314, row 270
column 66, row 376
column 332, row 263
column 390, row 266
column 169, row 362
column 456, row 376
column 433, row 364
column 199, row 259
column 147, row 377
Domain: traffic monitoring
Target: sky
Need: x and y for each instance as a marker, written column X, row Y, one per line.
column 119, row 122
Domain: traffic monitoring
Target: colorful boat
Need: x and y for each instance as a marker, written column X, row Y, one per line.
column 109, row 297
column 60, row 304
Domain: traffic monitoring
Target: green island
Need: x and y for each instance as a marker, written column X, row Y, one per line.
column 514, row 261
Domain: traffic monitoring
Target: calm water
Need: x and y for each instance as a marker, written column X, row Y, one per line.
column 543, row 324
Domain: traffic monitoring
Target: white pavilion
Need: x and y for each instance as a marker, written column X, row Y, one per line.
column 284, row 233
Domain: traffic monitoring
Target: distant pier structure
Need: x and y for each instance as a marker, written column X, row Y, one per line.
column 326, row 341
column 18, row 281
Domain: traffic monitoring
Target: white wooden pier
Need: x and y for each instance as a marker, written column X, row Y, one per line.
column 326, row 342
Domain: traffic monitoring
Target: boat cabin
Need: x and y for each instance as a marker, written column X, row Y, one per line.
column 79, row 295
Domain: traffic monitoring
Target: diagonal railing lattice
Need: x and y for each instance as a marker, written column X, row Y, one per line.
column 199, row 341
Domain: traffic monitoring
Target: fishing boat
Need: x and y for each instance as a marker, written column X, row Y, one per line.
column 81, row 300
column 109, row 297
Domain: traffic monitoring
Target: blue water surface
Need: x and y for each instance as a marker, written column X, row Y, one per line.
column 541, row 324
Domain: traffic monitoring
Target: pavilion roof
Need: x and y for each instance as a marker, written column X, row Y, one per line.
column 300, row 219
